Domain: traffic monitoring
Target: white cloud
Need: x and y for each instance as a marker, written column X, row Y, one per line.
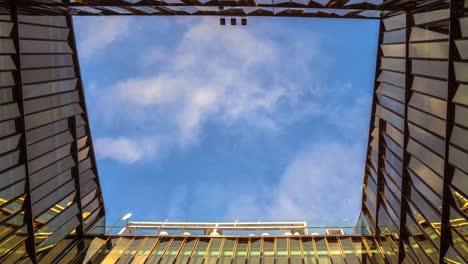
column 323, row 181
column 241, row 78
column 125, row 150
column 101, row 33
column 237, row 77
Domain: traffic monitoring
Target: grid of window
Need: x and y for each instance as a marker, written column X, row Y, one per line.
column 415, row 191
column 416, row 167
column 48, row 189
column 186, row 250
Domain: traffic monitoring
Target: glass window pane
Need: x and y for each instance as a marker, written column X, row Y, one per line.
column 430, row 86
column 131, row 250
column 434, row 143
column 420, row 34
column 213, row 251
column 47, row 47
column 427, row 17
column 427, row 121
column 309, row 251
column 254, row 251
column 199, row 252
column 395, row 36
column 348, row 250
column 322, row 251
column 437, row 69
column 227, row 251
column 394, row 22
column 241, row 252
column 43, row 103
column 432, row 50
column 458, row 158
column 34, row 90
column 42, row 32
column 186, row 251
column 393, row 64
column 394, row 50
column 144, row 250
column 49, row 144
column 49, row 158
column 268, row 251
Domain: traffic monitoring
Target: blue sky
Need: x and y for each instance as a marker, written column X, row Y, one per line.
column 193, row 121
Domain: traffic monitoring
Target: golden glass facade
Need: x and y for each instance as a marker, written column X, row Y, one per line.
column 246, row 250
column 415, row 191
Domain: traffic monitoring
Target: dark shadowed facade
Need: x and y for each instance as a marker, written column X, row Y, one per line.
column 415, row 191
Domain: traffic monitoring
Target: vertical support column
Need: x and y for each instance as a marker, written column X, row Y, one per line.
column 380, row 176
column 456, row 11
column 405, row 188
column 28, row 218
column 85, row 132
column 372, row 127
column 73, row 129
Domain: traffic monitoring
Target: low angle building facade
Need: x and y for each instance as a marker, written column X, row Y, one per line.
column 415, row 182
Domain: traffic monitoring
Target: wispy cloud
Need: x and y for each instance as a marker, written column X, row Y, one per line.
column 235, row 78
column 322, row 181
column 240, row 80
column 125, row 150
column 102, row 32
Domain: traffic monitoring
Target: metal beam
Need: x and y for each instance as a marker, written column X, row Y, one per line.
column 456, row 11
column 405, row 182
column 27, row 205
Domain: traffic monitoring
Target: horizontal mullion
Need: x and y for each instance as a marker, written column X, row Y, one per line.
column 71, row 100
column 387, row 177
column 39, row 213
column 42, row 25
column 429, row 203
column 391, row 165
column 393, row 84
column 428, row 59
column 44, row 53
column 49, row 137
column 429, row 77
column 8, row 218
column 52, row 108
column 388, row 204
column 50, row 67
column 426, row 130
column 428, row 113
column 424, row 182
column 92, row 199
column 14, row 247
column 45, row 82
column 390, row 110
column 56, row 216
column 392, row 43
column 37, row 185
column 391, row 70
column 82, row 173
column 427, row 94
column 429, row 41
column 38, row 193
column 55, row 120
column 390, row 192
column 434, row 23
column 42, row 39
column 393, row 140
column 8, row 166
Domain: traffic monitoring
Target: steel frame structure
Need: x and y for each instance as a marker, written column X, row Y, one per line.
column 415, row 192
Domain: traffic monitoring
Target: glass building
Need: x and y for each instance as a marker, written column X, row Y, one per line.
column 415, row 186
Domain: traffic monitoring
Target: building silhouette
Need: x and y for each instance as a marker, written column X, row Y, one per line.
column 415, row 186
